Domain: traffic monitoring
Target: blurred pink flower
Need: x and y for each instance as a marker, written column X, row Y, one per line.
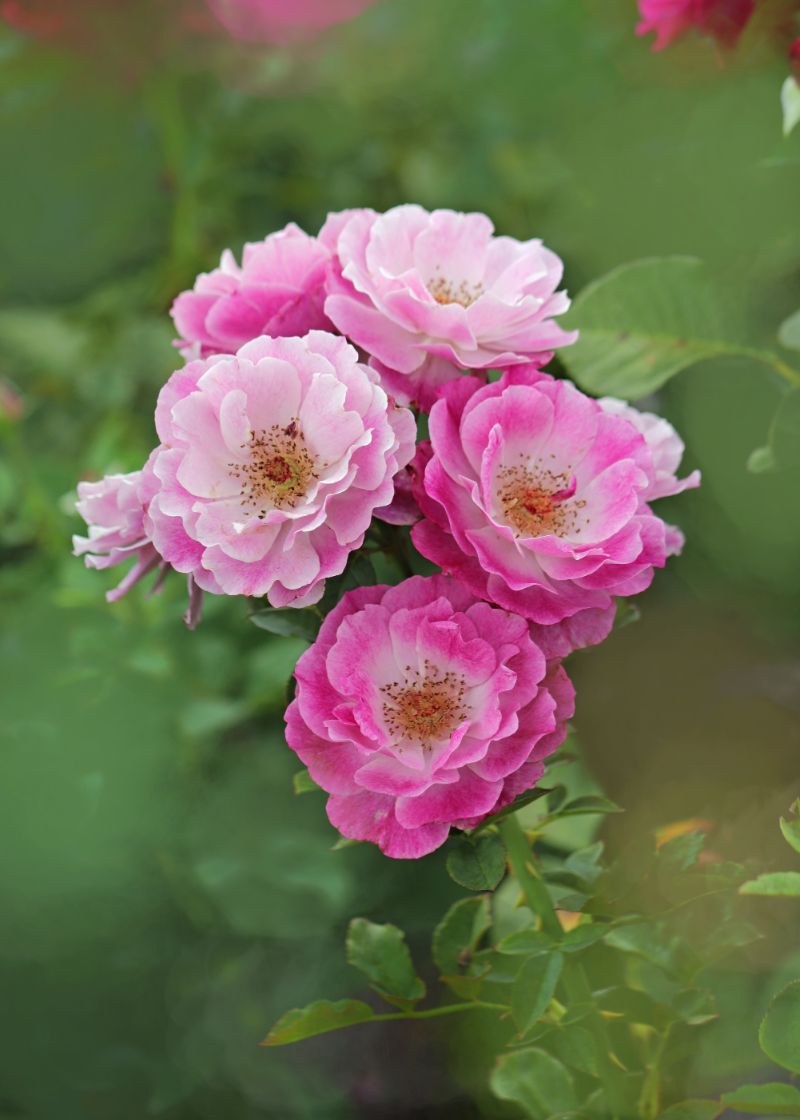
column 794, row 59
column 272, row 464
column 280, row 20
column 428, row 294
column 419, row 708
column 666, row 448
column 278, row 290
column 535, row 497
column 723, row 20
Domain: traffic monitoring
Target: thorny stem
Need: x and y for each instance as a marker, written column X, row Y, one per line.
column 577, row 986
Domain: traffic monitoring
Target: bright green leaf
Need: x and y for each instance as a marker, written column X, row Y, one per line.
column 774, row 884
column 779, row 1033
column 790, row 104
column 692, row 1110
column 303, row 782
column 536, row 1081
column 773, row 1099
column 317, row 1018
column 478, row 864
column 534, row 988
column 381, row 953
column 458, row 933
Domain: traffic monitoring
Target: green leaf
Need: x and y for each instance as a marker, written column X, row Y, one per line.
column 303, row 782
column 381, row 953
column 779, row 1033
column 790, row 104
column 791, row 830
column 536, row 1081
column 761, row 460
column 317, row 1018
column 534, row 988
column 642, row 939
column 590, row 803
column 692, row 1110
column 525, row 942
column 519, row 803
column 774, row 884
column 478, row 863
column 773, row 1099
column 289, row 623
column 682, row 852
column 459, row 932
column 584, row 935
column 643, row 323
column 575, row 1047
column 789, row 332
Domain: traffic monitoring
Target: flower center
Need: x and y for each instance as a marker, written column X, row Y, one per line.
column 425, row 710
column 536, row 500
column 278, row 472
column 446, row 291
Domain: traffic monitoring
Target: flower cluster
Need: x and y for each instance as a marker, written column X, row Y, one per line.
column 290, row 428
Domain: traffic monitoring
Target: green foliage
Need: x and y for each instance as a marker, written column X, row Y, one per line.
column 779, row 1033
column 536, row 1081
column 302, row 782
column 791, row 828
column 318, row 1018
column 790, row 104
column 458, row 934
column 477, row 863
column 381, row 953
column 287, row 623
column 534, row 987
column 691, row 1110
column 774, row 884
column 774, row 1099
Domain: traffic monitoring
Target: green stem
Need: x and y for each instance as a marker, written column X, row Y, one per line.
column 574, row 978
column 434, row 1012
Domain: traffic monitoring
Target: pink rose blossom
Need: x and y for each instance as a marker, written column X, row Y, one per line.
column 535, row 497
column 427, row 294
column 278, row 290
column 419, row 708
column 276, row 21
column 272, row 464
column 666, row 448
column 723, row 20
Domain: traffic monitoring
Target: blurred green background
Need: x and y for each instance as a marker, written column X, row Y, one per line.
column 163, row 896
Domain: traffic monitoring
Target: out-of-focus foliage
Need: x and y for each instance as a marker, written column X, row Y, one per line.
column 164, row 895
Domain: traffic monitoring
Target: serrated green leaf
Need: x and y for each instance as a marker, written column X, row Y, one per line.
column 774, row 884
column 289, row 623
column 692, row 1110
column 779, row 1034
column 317, row 1018
column 381, row 953
column 791, row 832
column 459, row 932
column 302, row 782
column 534, row 988
column 774, row 1099
column 643, row 323
column 540, row 1084
column 477, row 863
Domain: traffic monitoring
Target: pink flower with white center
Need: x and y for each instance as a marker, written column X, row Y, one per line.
column 723, row 20
column 113, row 509
column 427, row 294
column 278, row 290
column 272, row 464
column 666, row 448
column 276, row 21
column 419, row 708
column 536, row 498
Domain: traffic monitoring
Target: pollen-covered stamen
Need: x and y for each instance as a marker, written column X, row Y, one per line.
column 426, row 706
column 447, row 291
column 278, row 471
column 537, row 499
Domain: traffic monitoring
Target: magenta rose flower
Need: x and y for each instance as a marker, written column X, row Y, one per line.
column 419, row 708
column 280, row 20
column 723, row 20
column 272, row 464
column 535, row 496
column 278, row 290
column 428, row 294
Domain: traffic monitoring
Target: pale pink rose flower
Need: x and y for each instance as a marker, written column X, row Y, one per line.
column 419, row 708
column 428, row 294
column 666, row 448
column 279, row 289
column 272, row 464
column 723, row 20
column 535, row 497
column 277, row 21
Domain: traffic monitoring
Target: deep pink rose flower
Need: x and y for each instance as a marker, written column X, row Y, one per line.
column 723, row 20
column 272, row 464
column 428, row 294
column 535, row 496
column 276, row 21
column 278, row 290
column 419, row 708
